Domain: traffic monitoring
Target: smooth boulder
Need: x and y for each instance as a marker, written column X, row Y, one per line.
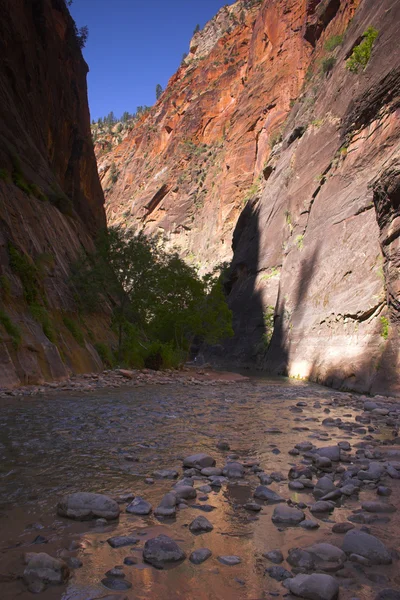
column 366, row 545
column 162, row 550
column 84, row 506
column 43, row 568
column 314, row 587
column 199, row 461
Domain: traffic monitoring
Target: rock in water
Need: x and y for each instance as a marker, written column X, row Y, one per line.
column 83, row 506
column 199, row 556
column 45, row 569
column 199, row 461
column 123, row 540
column 229, row 560
column 162, row 550
column 287, row 515
column 200, row 525
column 366, row 545
column 264, row 493
column 138, row 506
column 314, row 587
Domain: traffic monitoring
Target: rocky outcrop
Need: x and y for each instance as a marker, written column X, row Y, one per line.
column 189, row 165
column 315, row 278
column 264, row 137
column 51, row 201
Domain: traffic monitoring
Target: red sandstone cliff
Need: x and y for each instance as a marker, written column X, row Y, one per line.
column 51, row 201
column 316, row 255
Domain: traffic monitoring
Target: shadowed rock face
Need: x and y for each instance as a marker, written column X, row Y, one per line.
column 57, row 205
column 320, row 247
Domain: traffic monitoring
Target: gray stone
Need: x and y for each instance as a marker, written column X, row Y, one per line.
column 314, row 587
column 278, row 573
column 138, row 506
column 322, row 506
column 185, row 491
column 43, row 568
column 364, row 544
column 274, row 556
column 208, row 471
column 378, row 507
column 83, row 506
column 199, row 461
column 374, row 472
column 167, row 506
column 323, row 486
column 230, row 560
column 253, row 506
column 165, row 474
column 123, row 540
column 205, row 489
column 327, row 553
column 116, row 584
column 223, row 445
column 301, row 559
column 331, row 452
column 342, row 527
column 323, row 462
column 200, row 525
column 162, row 550
column 199, row 556
column 264, row 493
column 309, row 524
column 296, row 485
column 233, row 470
column 287, row 515
column 265, row 479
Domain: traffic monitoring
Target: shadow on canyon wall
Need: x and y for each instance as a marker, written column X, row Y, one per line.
column 375, row 371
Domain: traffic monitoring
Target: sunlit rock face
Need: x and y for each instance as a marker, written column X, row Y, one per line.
column 185, row 170
column 51, row 201
column 265, row 139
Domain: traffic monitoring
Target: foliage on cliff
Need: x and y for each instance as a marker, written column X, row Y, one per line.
column 160, row 304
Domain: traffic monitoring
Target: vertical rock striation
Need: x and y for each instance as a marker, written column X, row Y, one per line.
column 51, row 201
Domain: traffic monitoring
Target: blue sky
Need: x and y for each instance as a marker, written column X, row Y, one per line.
column 135, row 44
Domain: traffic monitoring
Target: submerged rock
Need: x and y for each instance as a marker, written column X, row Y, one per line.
column 199, row 556
column 287, row 515
column 230, row 560
column 43, row 568
column 264, row 493
column 366, row 545
column 314, row 587
column 162, row 550
column 139, row 506
column 83, row 506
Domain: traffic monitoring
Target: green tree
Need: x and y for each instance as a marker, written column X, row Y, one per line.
column 126, row 117
column 159, row 91
column 196, row 29
column 155, row 296
column 82, row 36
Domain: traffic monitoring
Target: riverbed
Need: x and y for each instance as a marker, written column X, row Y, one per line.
column 110, row 441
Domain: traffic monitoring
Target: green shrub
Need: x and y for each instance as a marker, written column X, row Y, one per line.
column 362, row 53
column 26, row 270
column 12, row 329
column 105, row 353
column 384, row 328
column 333, row 42
column 5, row 175
column 40, row 314
column 327, row 64
column 5, row 286
column 74, row 328
column 36, row 191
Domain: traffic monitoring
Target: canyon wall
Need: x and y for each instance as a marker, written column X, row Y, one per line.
column 51, row 201
column 266, row 139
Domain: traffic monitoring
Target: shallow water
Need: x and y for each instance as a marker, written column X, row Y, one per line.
column 109, row 441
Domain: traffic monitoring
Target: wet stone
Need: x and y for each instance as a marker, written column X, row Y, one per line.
column 278, row 573
column 116, row 584
column 83, row 506
column 233, row 470
column 322, row 506
column 252, row 506
column 378, row 507
column 274, row 556
column 287, row 515
column 200, row 525
column 388, row 594
column 364, row 544
column 165, row 474
column 116, row 572
column 185, row 492
column 123, row 540
column 162, row 550
column 309, row 524
column 342, row 527
column 130, row 560
column 199, row 461
column 199, row 556
column 41, row 567
column 229, row 560
column 223, row 445
column 74, row 563
column 264, row 493
column 139, row 506
column 314, row 587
